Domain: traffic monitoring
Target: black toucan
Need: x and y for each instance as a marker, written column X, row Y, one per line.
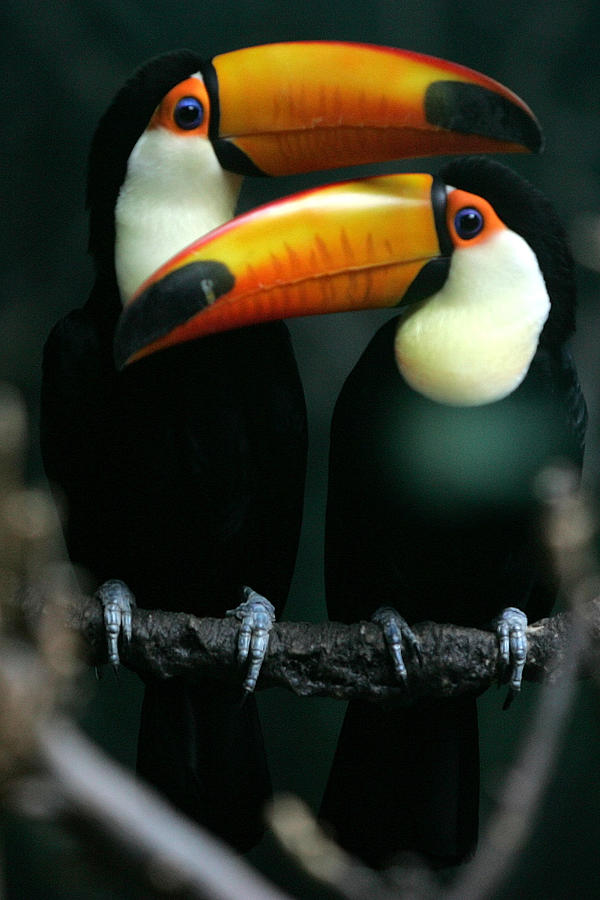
column 437, row 438
column 183, row 474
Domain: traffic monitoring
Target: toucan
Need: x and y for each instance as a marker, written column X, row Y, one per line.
column 437, row 439
column 183, row 474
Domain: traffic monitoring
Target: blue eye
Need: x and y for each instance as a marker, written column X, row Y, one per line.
column 468, row 223
column 189, row 113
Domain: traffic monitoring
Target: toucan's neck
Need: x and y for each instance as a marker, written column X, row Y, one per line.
column 473, row 341
column 174, row 192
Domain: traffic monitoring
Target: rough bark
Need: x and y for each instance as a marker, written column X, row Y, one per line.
column 329, row 658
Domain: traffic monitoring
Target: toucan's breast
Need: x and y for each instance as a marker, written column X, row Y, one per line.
column 472, row 342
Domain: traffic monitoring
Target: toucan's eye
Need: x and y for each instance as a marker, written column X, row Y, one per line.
column 468, row 222
column 189, row 113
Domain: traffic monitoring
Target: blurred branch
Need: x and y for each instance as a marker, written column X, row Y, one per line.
column 570, row 529
column 175, row 855
column 317, row 854
column 46, row 766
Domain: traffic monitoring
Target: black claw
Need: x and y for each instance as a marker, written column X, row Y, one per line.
column 416, row 649
column 245, row 693
column 510, row 696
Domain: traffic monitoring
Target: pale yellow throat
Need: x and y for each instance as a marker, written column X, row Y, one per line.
column 175, row 191
column 473, row 341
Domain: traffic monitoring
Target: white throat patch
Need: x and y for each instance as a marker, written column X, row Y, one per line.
column 473, row 341
column 175, row 191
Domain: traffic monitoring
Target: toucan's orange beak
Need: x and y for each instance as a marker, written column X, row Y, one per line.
column 283, row 108
column 296, row 107
column 355, row 245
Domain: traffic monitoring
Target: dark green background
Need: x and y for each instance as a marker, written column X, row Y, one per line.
column 63, row 62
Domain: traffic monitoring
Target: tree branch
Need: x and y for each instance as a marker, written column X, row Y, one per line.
column 171, row 852
column 329, row 659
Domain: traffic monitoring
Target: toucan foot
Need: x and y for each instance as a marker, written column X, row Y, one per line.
column 257, row 616
column 397, row 632
column 117, row 602
column 511, row 632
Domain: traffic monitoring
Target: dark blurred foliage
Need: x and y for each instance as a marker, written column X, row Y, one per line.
column 62, row 63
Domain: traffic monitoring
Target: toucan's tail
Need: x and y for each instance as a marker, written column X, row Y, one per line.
column 406, row 780
column 202, row 747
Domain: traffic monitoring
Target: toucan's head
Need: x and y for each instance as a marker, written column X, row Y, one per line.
column 529, row 213
column 509, row 287
column 476, row 258
column 168, row 154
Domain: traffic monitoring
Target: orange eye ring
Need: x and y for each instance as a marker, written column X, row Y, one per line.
column 470, row 219
column 185, row 110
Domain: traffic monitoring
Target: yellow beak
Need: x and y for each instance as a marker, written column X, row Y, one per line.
column 296, row 107
column 354, row 245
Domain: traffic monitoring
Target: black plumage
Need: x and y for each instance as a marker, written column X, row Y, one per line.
column 431, row 511
column 183, row 476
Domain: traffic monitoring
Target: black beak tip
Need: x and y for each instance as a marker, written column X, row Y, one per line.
column 167, row 303
column 473, row 109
